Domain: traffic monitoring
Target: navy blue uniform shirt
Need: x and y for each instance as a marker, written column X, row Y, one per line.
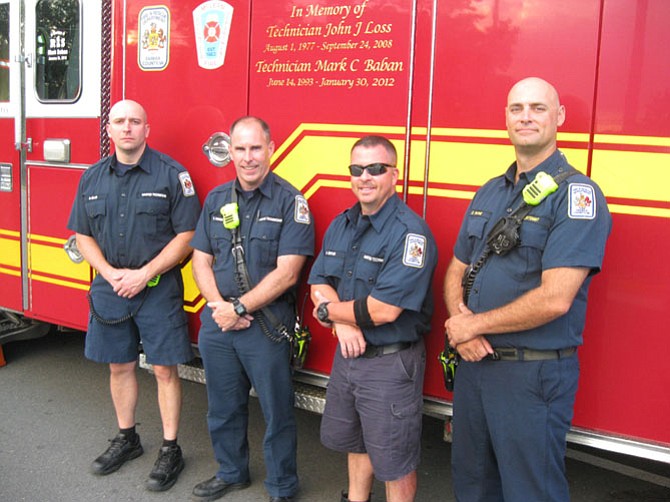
column 391, row 256
column 567, row 229
column 133, row 214
column 274, row 221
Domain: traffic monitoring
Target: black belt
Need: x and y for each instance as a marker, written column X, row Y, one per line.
column 384, row 350
column 511, row 354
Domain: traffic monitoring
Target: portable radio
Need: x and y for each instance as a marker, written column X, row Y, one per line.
column 231, row 218
column 535, row 191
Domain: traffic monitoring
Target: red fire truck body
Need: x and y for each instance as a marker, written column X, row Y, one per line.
column 430, row 74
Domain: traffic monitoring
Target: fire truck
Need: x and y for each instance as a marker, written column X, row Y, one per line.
column 432, row 75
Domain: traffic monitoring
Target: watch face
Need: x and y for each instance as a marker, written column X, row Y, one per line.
column 322, row 312
column 239, row 308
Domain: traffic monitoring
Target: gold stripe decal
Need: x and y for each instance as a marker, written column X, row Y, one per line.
column 10, row 233
column 9, row 271
column 10, row 252
column 58, row 282
column 615, row 139
column 47, row 260
column 315, row 156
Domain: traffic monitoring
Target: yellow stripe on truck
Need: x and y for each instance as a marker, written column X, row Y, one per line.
column 47, row 259
column 10, row 252
column 637, row 176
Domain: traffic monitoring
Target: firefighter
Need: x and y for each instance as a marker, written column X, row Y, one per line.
column 516, row 296
column 134, row 215
column 251, row 243
column 371, row 285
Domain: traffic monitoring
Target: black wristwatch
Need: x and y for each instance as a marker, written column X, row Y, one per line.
column 239, row 307
column 322, row 313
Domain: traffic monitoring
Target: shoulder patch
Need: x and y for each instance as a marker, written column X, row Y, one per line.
column 582, row 204
column 187, row 187
column 415, row 249
column 301, row 211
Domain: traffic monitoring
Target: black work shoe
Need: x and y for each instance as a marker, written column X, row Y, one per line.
column 346, row 495
column 215, row 488
column 120, row 450
column 166, row 469
column 281, row 499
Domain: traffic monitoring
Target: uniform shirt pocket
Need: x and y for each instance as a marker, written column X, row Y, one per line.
column 477, row 223
column 221, row 239
column 533, row 236
column 152, row 214
column 333, row 264
column 534, row 233
column 96, row 210
column 264, row 240
column 367, row 272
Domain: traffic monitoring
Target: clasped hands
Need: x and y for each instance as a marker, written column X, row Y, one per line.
column 128, row 282
column 462, row 336
column 226, row 318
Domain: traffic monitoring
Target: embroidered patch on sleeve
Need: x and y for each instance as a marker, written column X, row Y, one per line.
column 187, row 187
column 582, row 202
column 415, row 249
column 301, row 210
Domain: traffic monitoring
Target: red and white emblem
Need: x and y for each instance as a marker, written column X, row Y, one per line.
column 212, row 31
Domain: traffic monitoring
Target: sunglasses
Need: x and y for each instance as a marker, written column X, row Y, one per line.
column 373, row 169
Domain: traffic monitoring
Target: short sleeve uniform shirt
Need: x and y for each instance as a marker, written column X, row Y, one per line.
column 274, row 221
column 132, row 214
column 390, row 256
column 568, row 228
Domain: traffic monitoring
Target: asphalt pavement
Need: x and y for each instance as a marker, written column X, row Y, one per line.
column 56, row 417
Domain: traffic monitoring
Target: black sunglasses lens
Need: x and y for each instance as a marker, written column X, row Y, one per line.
column 376, row 169
column 373, row 169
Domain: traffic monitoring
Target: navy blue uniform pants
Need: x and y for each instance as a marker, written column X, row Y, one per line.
column 235, row 361
column 510, row 423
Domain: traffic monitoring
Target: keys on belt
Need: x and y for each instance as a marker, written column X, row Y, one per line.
column 384, row 350
column 512, row 354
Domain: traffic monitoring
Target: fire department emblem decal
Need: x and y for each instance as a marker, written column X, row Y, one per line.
column 153, row 49
column 187, row 187
column 415, row 249
column 301, row 210
column 211, row 23
column 582, row 202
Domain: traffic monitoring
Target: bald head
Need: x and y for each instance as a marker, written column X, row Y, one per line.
column 129, row 130
column 128, row 106
column 533, row 116
column 534, row 85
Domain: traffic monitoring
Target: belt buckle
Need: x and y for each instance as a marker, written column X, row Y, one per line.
column 495, row 356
